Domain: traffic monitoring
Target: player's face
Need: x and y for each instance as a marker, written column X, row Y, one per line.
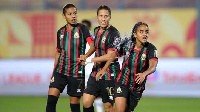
column 142, row 34
column 71, row 15
column 103, row 18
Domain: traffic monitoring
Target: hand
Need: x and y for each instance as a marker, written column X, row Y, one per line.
column 82, row 58
column 88, row 60
column 83, row 63
column 101, row 73
column 140, row 78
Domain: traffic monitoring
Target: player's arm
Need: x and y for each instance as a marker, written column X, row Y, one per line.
column 101, row 73
column 91, row 50
column 105, row 57
column 90, row 41
column 153, row 61
column 152, row 68
column 115, row 39
column 58, row 49
column 57, row 55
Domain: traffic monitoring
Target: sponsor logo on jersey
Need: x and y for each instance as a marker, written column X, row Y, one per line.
column 61, row 36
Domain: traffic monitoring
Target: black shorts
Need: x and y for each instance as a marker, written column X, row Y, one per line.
column 75, row 85
column 131, row 96
column 101, row 88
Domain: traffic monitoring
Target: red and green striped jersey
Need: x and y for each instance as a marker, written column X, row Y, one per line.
column 103, row 42
column 71, row 44
column 135, row 61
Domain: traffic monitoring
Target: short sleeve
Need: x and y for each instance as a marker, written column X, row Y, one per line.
column 58, row 47
column 87, row 34
column 120, row 50
column 152, row 53
column 114, row 40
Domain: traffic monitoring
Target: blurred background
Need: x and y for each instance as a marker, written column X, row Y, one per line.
column 28, row 41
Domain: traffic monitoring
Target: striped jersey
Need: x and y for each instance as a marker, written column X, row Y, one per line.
column 135, row 61
column 103, row 42
column 71, row 44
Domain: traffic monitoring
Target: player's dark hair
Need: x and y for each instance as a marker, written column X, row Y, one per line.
column 134, row 30
column 68, row 6
column 104, row 7
column 87, row 22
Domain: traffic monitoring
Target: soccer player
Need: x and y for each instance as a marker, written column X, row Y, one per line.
column 105, row 37
column 86, row 23
column 98, row 101
column 140, row 60
column 71, row 42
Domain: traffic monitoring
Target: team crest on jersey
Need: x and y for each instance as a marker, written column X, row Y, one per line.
column 103, row 39
column 143, row 57
column 52, row 79
column 119, row 90
column 76, row 35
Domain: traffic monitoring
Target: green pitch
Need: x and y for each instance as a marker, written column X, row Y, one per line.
column 146, row 104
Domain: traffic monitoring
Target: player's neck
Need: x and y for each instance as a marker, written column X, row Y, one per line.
column 102, row 29
column 138, row 46
column 69, row 26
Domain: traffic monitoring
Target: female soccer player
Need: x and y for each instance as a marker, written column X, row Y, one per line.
column 140, row 61
column 98, row 101
column 105, row 36
column 71, row 42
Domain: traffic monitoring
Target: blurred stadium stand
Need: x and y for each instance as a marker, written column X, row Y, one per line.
column 93, row 4
column 43, row 18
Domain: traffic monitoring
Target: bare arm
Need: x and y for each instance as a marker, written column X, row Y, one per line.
column 57, row 55
column 152, row 68
column 112, row 57
column 89, row 53
column 91, row 50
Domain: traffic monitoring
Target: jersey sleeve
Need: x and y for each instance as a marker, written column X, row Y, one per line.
column 152, row 53
column 58, row 47
column 120, row 50
column 113, row 41
column 87, row 35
